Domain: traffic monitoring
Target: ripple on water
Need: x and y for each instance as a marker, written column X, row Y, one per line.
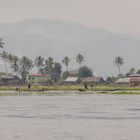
column 67, row 117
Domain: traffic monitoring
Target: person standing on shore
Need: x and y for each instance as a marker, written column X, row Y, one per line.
column 86, row 88
column 91, row 86
column 29, row 86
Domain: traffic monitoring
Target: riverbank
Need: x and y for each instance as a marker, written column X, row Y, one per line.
column 70, row 88
column 11, row 90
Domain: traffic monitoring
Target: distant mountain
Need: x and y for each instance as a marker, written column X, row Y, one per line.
column 60, row 38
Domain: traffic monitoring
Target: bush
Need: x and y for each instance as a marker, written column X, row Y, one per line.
column 84, row 72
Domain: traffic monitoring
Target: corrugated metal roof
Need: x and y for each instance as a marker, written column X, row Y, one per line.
column 134, row 75
column 91, row 79
column 36, row 74
column 71, row 79
column 135, row 79
column 128, row 80
column 123, row 80
column 7, row 76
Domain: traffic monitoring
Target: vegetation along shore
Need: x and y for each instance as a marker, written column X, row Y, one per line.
column 50, row 75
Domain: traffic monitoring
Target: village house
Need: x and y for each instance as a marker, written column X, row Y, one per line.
column 93, row 81
column 135, row 81
column 134, row 75
column 111, row 80
column 72, row 81
column 10, row 80
column 131, row 80
column 123, row 81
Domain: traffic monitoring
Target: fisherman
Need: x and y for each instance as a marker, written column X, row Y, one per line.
column 29, row 86
column 91, row 86
column 86, row 88
column 17, row 89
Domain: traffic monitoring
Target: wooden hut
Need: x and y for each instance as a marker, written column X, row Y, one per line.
column 93, row 81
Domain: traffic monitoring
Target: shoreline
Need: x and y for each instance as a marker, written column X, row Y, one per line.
column 53, row 92
column 68, row 89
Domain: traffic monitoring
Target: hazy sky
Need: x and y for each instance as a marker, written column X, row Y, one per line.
column 113, row 15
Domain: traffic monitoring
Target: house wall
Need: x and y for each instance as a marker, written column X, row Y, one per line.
column 37, row 79
column 71, row 83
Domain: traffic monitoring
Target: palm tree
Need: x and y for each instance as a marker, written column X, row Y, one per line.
column 10, row 59
column 132, row 71
column 1, row 43
column 26, row 65
column 4, row 57
column 51, row 61
column 39, row 62
column 49, row 64
column 66, row 62
column 119, row 61
column 79, row 59
column 15, row 65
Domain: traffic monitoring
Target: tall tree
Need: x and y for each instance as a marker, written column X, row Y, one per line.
column 15, row 65
column 85, row 72
column 4, row 57
column 79, row 59
column 49, row 64
column 119, row 61
column 132, row 71
column 39, row 62
column 66, row 62
column 138, row 71
column 10, row 59
column 26, row 65
column 51, row 60
column 56, row 74
column 1, row 43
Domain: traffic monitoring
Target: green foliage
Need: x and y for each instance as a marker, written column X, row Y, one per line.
column 66, row 62
column 119, row 61
column 65, row 75
column 1, row 43
column 26, row 65
column 24, row 74
column 79, row 59
column 84, row 72
column 15, row 65
column 132, row 71
column 138, row 71
column 57, row 70
column 39, row 63
column 4, row 57
column 48, row 67
column 111, row 80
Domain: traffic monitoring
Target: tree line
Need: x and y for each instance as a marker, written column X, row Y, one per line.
column 22, row 66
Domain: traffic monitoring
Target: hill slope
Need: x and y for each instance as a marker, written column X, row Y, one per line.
column 60, row 38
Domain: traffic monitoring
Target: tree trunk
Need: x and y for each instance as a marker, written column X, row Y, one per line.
column 5, row 67
column 119, row 70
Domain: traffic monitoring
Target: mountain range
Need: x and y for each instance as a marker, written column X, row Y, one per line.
column 55, row 38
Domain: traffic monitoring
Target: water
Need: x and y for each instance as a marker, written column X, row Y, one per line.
column 70, row 117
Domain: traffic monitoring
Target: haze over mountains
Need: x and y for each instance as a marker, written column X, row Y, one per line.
column 54, row 38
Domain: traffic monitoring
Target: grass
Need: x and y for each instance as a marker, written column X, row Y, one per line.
column 101, row 89
column 37, row 88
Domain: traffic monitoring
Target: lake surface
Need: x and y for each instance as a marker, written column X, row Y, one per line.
column 70, row 117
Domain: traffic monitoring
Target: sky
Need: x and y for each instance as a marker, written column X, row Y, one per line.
column 119, row 16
